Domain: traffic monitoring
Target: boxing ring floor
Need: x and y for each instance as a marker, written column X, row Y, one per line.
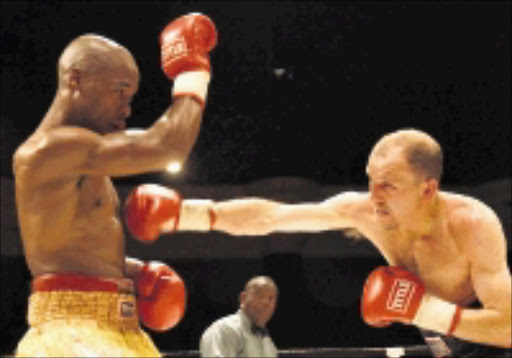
column 389, row 352
column 420, row 351
column 356, row 352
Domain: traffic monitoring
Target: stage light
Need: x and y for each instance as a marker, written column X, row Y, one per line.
column 173, row 167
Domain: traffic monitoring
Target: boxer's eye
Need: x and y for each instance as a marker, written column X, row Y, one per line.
column 388, row 186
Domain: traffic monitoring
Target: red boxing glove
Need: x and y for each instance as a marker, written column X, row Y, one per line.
column 151, row 209
column 393, row 294
column 185, row 44
column 162, row 296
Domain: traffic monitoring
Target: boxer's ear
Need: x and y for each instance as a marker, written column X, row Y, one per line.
column 430, row 187
column 243, row 296
column 75, row 78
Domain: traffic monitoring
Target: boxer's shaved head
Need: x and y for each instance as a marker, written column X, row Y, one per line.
column 422, row 152
column 93, row 54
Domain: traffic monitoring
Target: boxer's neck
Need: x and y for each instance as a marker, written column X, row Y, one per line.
column 60, row 112
column 425, row 222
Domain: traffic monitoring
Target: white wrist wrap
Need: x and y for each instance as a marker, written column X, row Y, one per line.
column 194, row 84
column 435, row 314
column 195, row 215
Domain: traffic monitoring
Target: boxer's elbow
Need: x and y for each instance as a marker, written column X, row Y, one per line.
column 150, row 152
column 503, row 331
column 504, row 339
column 507, row 333
column 172, row 151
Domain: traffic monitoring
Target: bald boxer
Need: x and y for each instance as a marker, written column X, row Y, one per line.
column 87, row 296
column 446, row 251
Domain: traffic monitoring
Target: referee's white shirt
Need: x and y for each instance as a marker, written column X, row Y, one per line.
column 231, row 336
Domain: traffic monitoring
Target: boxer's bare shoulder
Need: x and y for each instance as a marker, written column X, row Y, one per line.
column 54, row 153
column 473, row 224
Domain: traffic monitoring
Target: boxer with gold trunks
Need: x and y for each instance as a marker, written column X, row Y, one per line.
column 87, row 297
column 445, row 250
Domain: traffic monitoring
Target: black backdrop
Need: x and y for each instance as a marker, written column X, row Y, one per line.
column 352, row 72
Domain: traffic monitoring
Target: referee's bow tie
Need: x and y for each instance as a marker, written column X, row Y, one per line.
column 259, row 331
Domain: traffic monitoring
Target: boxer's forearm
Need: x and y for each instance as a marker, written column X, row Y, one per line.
column 486, row 326
column 177, row 129
column 249, row 216
column 254, row 216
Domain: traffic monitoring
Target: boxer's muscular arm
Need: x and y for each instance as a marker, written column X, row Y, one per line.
column 71, row 151
column 254, row 216
column 170, row 139
column 485, row 246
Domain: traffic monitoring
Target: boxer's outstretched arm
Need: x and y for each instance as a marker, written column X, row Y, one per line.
column 255, row 216
column 152, row 209
column 485, row 246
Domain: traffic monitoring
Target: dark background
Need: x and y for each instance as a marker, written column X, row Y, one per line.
column 352, row 72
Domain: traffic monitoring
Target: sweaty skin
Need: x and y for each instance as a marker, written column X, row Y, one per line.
column 454, row 243
column 67, row 206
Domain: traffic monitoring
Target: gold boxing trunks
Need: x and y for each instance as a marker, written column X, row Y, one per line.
column 83, row 316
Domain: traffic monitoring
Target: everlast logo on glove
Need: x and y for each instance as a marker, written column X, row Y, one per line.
column 400, row 295
column 393, row 294
column 126, row 309
column 176, row 47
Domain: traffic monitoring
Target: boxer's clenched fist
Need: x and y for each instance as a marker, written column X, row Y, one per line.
column 162, row 296
column 185, row 46
column 186, row 42
column 393, row 294
column 152, row 209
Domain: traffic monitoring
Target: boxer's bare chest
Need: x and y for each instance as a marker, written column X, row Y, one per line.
column 73, row 225
column 96, row 230
column 96, row 195
column 437, row 260
column 97, row 216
